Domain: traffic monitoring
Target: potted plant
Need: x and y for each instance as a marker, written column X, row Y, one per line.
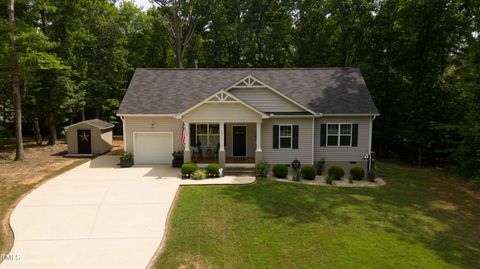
column 177, row 158
column 126, row 160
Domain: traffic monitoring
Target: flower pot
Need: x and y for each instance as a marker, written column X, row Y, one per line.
column 126, row 163
column 177, row 163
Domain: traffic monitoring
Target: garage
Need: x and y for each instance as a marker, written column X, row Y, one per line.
column 153, row 148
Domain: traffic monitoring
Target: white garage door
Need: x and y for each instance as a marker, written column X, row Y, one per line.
column 152, row 148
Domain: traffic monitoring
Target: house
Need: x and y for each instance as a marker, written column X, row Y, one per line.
column 89, row 137
column 234, row 116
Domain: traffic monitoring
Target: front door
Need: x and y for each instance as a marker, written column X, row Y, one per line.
column 239, row 141
column 84, row 138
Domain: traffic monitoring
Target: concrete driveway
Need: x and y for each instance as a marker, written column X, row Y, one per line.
column 93, row 216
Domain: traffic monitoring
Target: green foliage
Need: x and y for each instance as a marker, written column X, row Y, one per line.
column 177, row 155
column 319, row 165
column 297, row 176
column 199, row 174
column 126, row 156
column 474, row 183
column 371, row 175
column 336, row 172
column 262, row 168
column 280, row 170
column 308, row 172
column 213, row 169
column 329, row 180
column 357, row 173
column 188, row 168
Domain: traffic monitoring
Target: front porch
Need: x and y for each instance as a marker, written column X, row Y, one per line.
column 224, row 143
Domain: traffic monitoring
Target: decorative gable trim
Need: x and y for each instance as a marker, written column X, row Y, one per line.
column 252, row 82
column 223, row 97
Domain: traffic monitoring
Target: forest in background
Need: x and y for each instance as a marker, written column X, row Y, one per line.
column 420, row 59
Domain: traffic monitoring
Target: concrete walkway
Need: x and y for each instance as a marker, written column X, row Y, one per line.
column 97, row 216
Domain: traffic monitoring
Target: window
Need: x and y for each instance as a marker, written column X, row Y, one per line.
column 208, row 135
column 285, row 136
column 339, row 134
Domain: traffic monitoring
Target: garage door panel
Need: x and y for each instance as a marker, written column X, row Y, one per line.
column 153, row 148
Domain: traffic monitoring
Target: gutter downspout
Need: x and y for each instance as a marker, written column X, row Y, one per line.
column 124, row 135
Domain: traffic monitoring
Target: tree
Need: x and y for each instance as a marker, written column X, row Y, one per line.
column 15, row 78
column 184, row 18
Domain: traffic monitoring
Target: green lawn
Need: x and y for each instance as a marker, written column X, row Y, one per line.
column 415, row 221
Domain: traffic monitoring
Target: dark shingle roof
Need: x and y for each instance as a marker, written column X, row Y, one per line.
column 95, row 123
column 323, row 90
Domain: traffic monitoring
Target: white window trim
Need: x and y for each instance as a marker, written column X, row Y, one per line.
column 207, row 135
column 280, row 136
column 338, row 135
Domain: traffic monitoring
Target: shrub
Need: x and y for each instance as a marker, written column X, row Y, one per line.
column 199, row 174
column 262, row 168
column 474, row 183
column 357, row 173
column 188, row 168
column 319, row 166
column 371, row 175
column 350, row 179
column 126, row 156
column 213, row 169
column 329, row 180
column 280, row 170
column 336, row 172
column 308, row 172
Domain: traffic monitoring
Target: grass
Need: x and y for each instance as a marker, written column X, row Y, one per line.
column 418, row 220
column 10, row 194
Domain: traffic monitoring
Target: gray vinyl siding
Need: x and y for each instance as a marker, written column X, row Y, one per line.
column 286, row 156
column 213, row 113
column 265, row 100
column 153, row 124
column 343, row 154
column 251, row 139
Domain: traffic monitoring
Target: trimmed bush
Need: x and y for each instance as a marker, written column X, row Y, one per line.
column 474, row 183
column 336, row 172
column 329, row 180
column 371, row 175
column 188, row 168
column 199, row 174
column 213, row 169
column 262, row 168
column 308, row 172
column 319, row 166
column 357, row 173
column 280, row 170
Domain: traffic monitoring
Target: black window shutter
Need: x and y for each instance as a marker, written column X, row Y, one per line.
column 193, row 134
column 354, row 135
column 295, row 137
column 275, row 136
column 323, row 135
column 225, row 135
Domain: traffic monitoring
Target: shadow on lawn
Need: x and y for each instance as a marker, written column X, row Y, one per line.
column 414, row 206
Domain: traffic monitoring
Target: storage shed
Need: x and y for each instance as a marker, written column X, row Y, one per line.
column 89, row 137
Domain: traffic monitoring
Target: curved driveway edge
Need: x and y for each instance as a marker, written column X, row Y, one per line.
column 93, row 216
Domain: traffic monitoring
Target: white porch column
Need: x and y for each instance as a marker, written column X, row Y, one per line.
column 258, row 150
column 186, row 152
column 221, row 150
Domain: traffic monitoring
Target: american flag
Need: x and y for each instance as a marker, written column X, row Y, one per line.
column 184, row 135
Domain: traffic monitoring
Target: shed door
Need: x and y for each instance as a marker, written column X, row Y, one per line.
column 153, row 148
column 84, row 140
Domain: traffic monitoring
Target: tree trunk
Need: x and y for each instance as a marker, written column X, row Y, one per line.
column 17, row 101
column 52, row 139
column 37, row 132
column 82, row 111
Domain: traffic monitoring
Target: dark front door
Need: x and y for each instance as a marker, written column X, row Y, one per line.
column 84, row 138
column 239, row 141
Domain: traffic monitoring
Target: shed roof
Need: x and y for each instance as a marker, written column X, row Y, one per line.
column 100, row 124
